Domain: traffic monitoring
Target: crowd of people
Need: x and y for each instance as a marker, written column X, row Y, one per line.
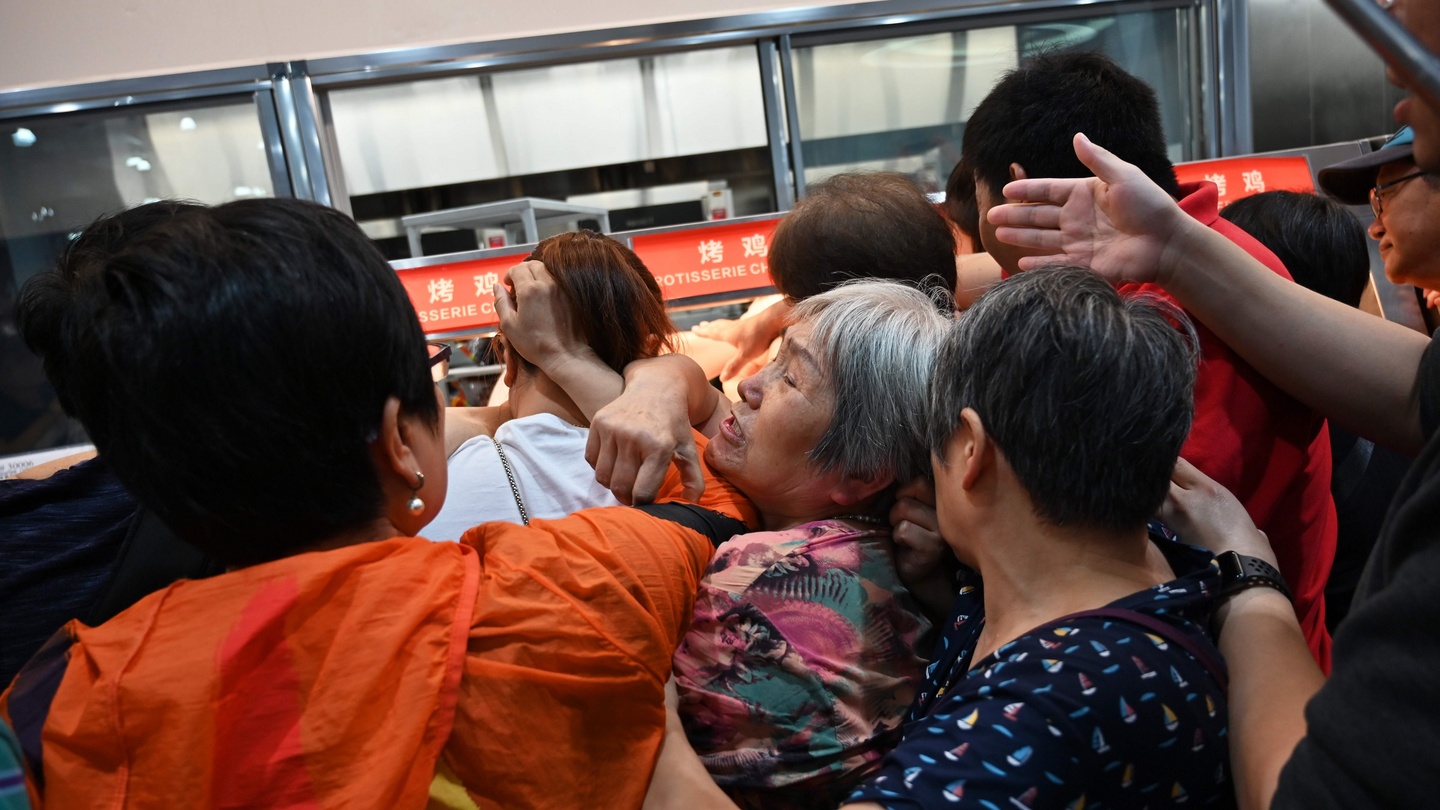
column 1059, row 525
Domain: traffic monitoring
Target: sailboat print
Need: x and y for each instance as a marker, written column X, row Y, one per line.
column 955, row 791
column 1171, row 721
column 1086, row 687
column 1129, row 775
column 954, row 754
column 1100, row 648
column 968, row 722
column 1097, row 741
column 1179, row 681
column 1209, row 706
column 1012, row 710
column 1020, row 756
column 1199, row 741
column 1025, row 800
column 1178, row 794
column 1145, row 672
column 1051, row 665
column 1157, row 641
column 1126, row 712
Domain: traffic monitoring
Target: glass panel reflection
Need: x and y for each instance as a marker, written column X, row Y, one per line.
column 647, row 137
column 901, row 104
column 60, row 172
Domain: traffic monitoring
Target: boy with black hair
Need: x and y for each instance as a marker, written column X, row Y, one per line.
column 1260, row 443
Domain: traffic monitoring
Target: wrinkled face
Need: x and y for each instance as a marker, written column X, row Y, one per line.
column 1408, row 228
column 1422, row 17
column 1008, row 256
column 763, row 446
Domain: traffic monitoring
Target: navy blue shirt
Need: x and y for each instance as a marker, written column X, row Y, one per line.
column 59, row 538
column 1085, row 712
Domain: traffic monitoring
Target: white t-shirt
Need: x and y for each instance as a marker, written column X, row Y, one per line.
column 548, row 456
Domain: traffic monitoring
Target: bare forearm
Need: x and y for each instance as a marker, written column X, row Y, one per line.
column 1272, row 677
column 589, row 383
column 1349, row 366
column 676, row 373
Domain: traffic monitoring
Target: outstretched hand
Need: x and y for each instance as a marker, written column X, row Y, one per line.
column 1118, row 223
column 1205, row 514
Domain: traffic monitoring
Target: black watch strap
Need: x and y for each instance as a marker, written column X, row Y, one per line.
column 1238, row 572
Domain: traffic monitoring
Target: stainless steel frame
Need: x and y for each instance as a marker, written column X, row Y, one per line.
column 300, row 139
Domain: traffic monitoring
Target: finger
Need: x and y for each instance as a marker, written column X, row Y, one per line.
column 1043, row 239
column 505, row 308
column 732, row 368
column 592, row 446
column 1026, row 215
column 1101, row 161
column 913, row 511
column 649, row 478
column 605, row 462
column 1048, row 260
column 1188, row 476
column 622, row 477
column 692, row 473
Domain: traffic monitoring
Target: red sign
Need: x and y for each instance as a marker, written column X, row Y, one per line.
column 708, row 260
column 459, row 296
column 1244, row 176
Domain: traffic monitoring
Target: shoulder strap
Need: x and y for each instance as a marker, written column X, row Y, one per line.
column 1165, row 630
column 708, row 522
column 151, row 558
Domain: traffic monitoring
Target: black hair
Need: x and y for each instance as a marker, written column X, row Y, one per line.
column 861, row 225
column 232, row 364
column 1033, row 113
column 960, row 204
column 1087, row 394
column 45, row 304
column 1317, row 239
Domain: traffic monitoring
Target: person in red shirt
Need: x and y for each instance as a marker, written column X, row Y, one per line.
column 1267, row 448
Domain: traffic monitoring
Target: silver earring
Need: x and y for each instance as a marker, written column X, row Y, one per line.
column 416, row 506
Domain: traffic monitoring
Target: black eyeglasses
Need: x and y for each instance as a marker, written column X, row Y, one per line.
column 1375, row 202
column 439, row 360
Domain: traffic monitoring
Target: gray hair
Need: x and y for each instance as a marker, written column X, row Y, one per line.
column 877, row 340
column 1088, row 394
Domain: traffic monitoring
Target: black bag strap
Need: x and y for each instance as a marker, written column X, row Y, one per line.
column 151, row 558
column 708, row 522
column 1165, row 630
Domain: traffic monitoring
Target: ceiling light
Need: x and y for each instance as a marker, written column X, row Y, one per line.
column 22, row 137
column 187, row 123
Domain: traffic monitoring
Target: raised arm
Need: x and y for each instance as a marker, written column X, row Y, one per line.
column 1351, row 367
column 1272, row 675
column 536, row 321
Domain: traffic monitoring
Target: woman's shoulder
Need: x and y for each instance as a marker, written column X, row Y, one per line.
column 464, row 424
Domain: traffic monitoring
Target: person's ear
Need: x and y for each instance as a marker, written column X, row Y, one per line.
column 398, row 468
column 1017, row 172
column 507, row 358
column 973, row 448
column 850, row 490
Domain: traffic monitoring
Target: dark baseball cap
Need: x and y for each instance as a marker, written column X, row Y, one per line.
column 1350, row 181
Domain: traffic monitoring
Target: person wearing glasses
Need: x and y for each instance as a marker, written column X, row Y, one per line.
column 1406, row 203
column 526, row 459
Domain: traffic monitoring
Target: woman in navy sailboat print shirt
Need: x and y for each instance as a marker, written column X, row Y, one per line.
column 1090, row 711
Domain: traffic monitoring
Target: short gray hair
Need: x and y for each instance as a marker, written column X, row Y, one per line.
column 877, row 340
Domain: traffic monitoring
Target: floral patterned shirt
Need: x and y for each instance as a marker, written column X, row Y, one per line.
column 801, row 659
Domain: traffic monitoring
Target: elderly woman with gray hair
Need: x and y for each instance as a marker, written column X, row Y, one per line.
column 801, row 658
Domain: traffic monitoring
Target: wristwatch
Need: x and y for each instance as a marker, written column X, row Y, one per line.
column 1238, row 572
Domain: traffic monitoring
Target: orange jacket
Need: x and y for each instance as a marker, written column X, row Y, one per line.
column 533, row 659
